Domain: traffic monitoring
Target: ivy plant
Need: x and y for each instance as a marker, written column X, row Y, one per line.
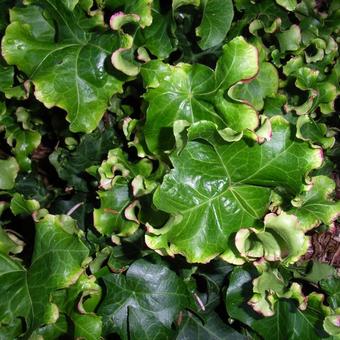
column 169, row 169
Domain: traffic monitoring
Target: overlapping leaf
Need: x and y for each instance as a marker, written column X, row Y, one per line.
column 315, row 205
column 216, row 188
column 66, row 64
column 186, row 92
column 56, row 263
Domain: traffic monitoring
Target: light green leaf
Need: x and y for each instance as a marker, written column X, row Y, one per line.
column 69, row 73
column 143, row 9
column 289, row 5
column 315, row 205
column 183, row 94
column 308, row 129
column 331, row 325
column 111, row 217
column 19, row 205
column 264, row 85
column 149, row 291
column 290, row 39
column 87, row 326
column 9, row 171
column 281, row 239
column 217, row 188
column 216, row 20
column 239, row 61
column 10, row 243
column 238, row 116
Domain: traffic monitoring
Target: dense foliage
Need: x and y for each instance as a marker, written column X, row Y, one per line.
column 166, row 167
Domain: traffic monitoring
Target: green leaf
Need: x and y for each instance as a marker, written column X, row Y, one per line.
column 52, row 331
column 19, row 205
column 10, row 243
column 149, row 291
column 289, row 5
column 239, row 292
column 281, row 239
column 332, row 287
column 239, row 116
column 143, row 9
column 308, row 129
column 216, row 20
column 57, row 263
column 264, row 85
column 184, row 94
column 87, row 326
column 290, row 39
column 217, row 188
column 10, row 169
column 315, row 206
column 111, row 217
column 178, row 3
column 331, row 325
column 20, row 136
column 158, row 37
column 69, row 73
column 239, row 61
column 212, row 328
column 289, row 322
column 70, row 165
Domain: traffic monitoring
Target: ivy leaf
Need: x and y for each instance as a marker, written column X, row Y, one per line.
column 69, row 72
column 282, row 238
column 332, row 287
column 239, row 61
column 308, row 129
column 264, row 85
column 71, row 164
column 87, row 326
column 148, row 291
column 57, row 263
column 183, row 94
column 212, row 328
column 289, row 322
column 6, row 84
column 289, row 5
column 110, row 218
column 144, row 326
column 54, row 330
column 315, row 206
column 20, row 137
column 9, row 171
column 10, row 243
column 143, row 9
column 239, row 292
column 158, row 38
column 216, row 20
column 290, row 39
column 19, row 205
column 217, row 188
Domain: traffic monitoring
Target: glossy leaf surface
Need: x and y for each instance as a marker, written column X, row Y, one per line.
column 62, row 71
column 216, row 188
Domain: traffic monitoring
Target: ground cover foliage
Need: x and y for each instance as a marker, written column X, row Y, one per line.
column 169, row 169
